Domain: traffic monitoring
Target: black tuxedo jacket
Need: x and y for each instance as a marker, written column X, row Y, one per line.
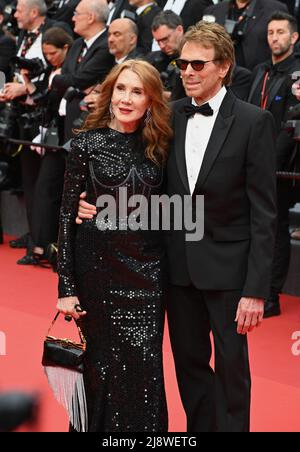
column 93, row 68
column 254, row 43
column 238, row 181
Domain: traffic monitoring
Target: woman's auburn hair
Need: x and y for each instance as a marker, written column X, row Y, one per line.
column 157, row 131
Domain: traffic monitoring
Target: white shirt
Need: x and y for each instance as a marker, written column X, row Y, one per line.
column 198, row 132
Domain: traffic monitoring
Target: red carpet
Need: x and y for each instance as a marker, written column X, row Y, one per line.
column 28, row 299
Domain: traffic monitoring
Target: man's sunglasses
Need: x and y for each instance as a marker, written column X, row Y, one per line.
column 197, row 65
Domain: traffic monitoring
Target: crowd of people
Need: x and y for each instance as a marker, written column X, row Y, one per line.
column 108, row 95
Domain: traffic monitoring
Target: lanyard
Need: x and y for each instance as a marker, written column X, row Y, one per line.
column 264, row 96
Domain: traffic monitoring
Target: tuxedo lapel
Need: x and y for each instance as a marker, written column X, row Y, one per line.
column 218, row 136
column 180, row 125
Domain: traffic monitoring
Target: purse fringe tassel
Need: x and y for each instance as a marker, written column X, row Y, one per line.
column 68, row 389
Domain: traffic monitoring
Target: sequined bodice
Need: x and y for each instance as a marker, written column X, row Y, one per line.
column 102, row 162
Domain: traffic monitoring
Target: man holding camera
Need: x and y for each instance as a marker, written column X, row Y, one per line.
column 246, row 22
column 32, row 23
column 272, row 90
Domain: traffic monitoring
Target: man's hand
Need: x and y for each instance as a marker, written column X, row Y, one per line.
column 12, row 91
column 85, row 210
column 249, row 314
column 296, row 90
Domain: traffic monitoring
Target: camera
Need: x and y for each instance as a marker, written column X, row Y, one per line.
column 292, row 124
column 73, row 93
column 34, row 66
column 168, row 76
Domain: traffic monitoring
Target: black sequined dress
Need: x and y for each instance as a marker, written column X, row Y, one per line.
column 119, row 276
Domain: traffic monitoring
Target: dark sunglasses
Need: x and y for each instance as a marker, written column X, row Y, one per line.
column 197, row 65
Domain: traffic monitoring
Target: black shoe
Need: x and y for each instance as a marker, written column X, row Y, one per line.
column 29, row 259
column 272, row 308
column 34, row 259
column 19, row 243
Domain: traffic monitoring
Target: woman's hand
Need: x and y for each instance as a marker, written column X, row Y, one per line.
column 85, row 210
column 67, row 306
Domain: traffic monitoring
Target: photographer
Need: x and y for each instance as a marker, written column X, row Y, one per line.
column 272, row 90
column 167, row 30
column 32, row 23
column 246, row 21
column 48, row 189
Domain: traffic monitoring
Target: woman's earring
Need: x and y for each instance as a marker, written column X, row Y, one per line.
column 148, row 116
column 111, row 111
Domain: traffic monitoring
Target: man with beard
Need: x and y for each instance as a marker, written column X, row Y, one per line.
column 272, row 90
column 246, row 21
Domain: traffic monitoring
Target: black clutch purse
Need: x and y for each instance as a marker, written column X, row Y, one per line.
column 63, row 362
column 64, row 352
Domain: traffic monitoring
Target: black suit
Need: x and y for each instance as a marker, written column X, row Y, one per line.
column 208, row 277
column 92, row 69
column 254, row 43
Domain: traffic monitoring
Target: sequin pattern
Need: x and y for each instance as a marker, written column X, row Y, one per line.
column 119, row 277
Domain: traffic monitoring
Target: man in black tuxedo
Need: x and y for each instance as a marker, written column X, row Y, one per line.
column 222, row 150
column 249, row 34
column 218, row 284
column 88, row 61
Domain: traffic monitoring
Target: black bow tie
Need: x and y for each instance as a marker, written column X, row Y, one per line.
column 191, row 110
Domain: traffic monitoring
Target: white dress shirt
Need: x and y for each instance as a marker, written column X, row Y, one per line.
column 198, row 132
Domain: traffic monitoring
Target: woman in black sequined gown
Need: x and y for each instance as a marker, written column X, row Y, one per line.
column 117, row 274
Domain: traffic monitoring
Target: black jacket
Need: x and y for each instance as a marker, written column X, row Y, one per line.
column 254, row 42
column 280, row 99
column 93, row 68
column 238, row 182
column 7, row 53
